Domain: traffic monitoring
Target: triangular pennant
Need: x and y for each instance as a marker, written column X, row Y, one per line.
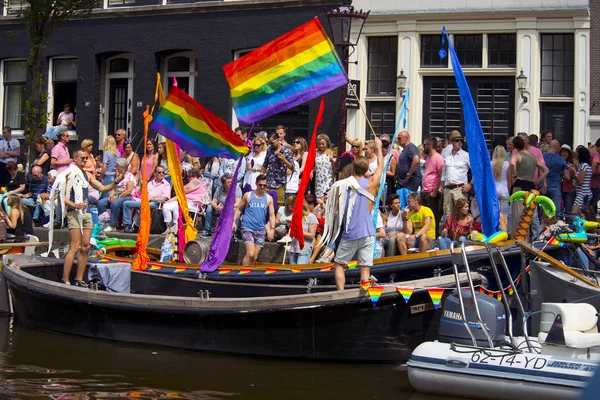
column 499, row 296
column 510, row 290
column 223, row 271
column 295, row 270
column 375, row 293
column 352, row 264
column 244, row 271
column 481, row 289
column 177, row 270
column 270, row 271
column 326, row 268
column 365, row 285
column 405, row 292
column 436, row 296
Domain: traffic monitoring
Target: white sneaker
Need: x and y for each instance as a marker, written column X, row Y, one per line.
column 47, row 225
column 109, row 228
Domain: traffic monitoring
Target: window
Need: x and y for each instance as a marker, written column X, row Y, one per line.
column 430, row 47
column 14, row 7
column 113, row 3
column 15, row 73
column 383, row 60
column 64, row 85
column 557, row 64
column 181, row 66
column 469, row 50
column 382, row 116
column 502, row 50
column 118, row 89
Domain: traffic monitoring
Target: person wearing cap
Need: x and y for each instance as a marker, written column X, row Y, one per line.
column 455, row 174
column 408, row 173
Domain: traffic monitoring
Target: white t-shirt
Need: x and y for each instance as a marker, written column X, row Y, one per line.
column 11, row 145
column 294, row 181
column 65, row 118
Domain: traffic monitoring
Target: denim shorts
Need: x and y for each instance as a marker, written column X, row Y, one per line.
column 256, row 237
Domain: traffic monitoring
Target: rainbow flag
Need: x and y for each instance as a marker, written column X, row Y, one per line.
column 352, row 264
column 223, row 271
column 405, row 292
column 365, row 285
column 375, row 293
column 436, row 296
column 269, row 271
column 195, row 129
column 177, row 270
column 296, row 270
column 556, row 242
column 290, row 70
column 326, row 268
column 244, row 271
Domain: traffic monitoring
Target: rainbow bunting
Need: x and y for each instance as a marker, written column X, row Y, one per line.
column 295, row 270
column 179, row 270
column 326, row 268
column 290, row 70
column 269, row 271
column 510, row 290
column 482, row 289
column 405, row 292
column 195, row 129
column 155, row 268
column 436, row 296
column 352, row 264
column 223, row 271
column 499, row 296
column 375, row 293
column 365, row 285
column 244, row 271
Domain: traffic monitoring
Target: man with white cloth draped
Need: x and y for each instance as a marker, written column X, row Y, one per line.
column 355, row 196
column 72, row 186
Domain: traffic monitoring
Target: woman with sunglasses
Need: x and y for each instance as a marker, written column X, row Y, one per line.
column 254, row 163
column 356, row 150
column 323, row 172
column 300, row 153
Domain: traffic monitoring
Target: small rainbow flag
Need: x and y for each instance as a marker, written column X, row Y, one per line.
column 365, row 285
column 556, row 242
column 510, row 290
column 155, row 267
column 177, row 270
column 195, row 129
column 223, row 271
column 352, row 264
column 269, row 271
column 499, row 296
column 436, row 296
column 375, row 293
column 326, row 268
column 290, row 70
column 405, row 292
column 244, row 271
column 482, row 289
column 295, row 270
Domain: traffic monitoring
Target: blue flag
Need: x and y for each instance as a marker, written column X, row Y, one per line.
column 481, row 166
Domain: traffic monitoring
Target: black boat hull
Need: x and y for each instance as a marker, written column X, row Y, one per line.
column 330, row 326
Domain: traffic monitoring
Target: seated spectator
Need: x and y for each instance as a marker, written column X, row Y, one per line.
column 423, row 224
column 395, row 227
column 118, row 196
column 309, row 229
column 133, row 160
column 458, row 225
column 159, row 191
column 283, row 218
column 38, row 183
column 19, row 221
column 65, row 121
column 42, row 206
column 16, row 179
column 379, row 236
column 216, row 205
column 194, row 191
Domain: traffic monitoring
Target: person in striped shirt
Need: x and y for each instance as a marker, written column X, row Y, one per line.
column 583, row 180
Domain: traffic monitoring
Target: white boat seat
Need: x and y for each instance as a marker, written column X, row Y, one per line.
column 579, row 323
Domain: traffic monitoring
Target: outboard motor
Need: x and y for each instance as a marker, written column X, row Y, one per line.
column 452, row 328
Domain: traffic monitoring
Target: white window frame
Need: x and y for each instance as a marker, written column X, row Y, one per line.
column 191, row 73
column 236, row 55
column 50, row 104
column 129, row 75
column 17, row 133
column 6, row 8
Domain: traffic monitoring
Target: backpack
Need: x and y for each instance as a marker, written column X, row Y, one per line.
column 157, row 225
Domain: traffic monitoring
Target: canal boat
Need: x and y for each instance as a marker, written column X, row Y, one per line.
column 349, row 325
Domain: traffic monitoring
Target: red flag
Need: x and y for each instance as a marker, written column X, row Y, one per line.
column 296, row 225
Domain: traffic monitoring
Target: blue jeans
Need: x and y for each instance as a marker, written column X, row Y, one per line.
column 303, row 257
column 130, row 205
column 569, row 200
column 28, row 201
column 555, row 195
column 583, row 258
column 444, row 242
column 115, row 208
column 105, row 181
column 53, row 131
column 209, row 217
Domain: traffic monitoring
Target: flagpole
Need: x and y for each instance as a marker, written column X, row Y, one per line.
column 363, row 110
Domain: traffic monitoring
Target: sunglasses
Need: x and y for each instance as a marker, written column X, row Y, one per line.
column 297, row 142
column 356, row 147
column 160, row 173
column 385, row 144
column 458, row 140
column 261, row 185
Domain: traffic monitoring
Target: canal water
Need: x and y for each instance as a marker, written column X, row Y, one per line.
column 43, row 365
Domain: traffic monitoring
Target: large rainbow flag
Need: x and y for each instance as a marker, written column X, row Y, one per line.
column 195, row 129
column 290, row 70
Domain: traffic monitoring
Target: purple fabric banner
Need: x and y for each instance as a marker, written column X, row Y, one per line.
column 223, row 232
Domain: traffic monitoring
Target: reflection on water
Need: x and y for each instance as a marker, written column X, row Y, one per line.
column 36, row 364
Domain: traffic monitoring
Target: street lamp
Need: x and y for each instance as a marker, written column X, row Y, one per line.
column 401, row 79
column 522, row 85
column 346, row 25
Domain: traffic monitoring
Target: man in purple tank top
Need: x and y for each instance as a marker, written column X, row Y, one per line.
column 358, row 233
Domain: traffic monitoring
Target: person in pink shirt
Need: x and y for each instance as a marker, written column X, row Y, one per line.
column 595, row 183
column 120, row 137
column 194, row 191
column 430, row 184
column 61, row 159
column 159, row 191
